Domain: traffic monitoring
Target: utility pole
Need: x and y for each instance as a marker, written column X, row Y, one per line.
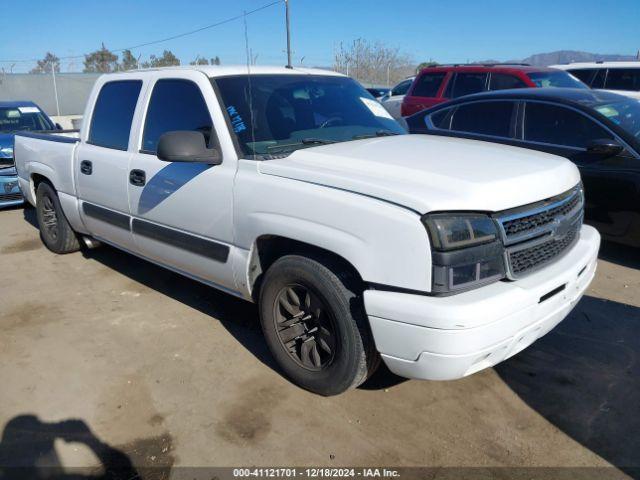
column 55, row 87
column 286, row 6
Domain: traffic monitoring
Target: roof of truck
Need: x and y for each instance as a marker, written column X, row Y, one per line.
column 620, row 64
column 227, row 70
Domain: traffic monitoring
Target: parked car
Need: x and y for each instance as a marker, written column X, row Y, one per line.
column 618, row 77
column 599, row 131
column 378, row 92
column 435, row 85
column 14, row 117
column 392, row 101
column 297, row 190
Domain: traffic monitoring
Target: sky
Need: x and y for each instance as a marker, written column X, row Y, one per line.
column 442, row 30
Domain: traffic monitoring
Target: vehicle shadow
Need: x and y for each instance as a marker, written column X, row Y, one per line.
column 584, row 377
column 27, row 451
column 620, row 254
column 238, row 317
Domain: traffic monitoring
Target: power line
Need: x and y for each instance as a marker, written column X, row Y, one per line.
column 167, row 39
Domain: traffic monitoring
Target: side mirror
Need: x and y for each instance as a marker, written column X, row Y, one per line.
column 604, row 148
column 186, row 146
column 59, row 127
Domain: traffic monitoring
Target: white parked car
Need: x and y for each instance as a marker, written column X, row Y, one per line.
column 392, row 101
column 294, row 189
column 618, row 77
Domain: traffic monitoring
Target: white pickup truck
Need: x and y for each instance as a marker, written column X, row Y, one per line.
column 295, row 189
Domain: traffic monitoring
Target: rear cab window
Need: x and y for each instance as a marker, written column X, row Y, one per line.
column 428, row 84
column 113, row 113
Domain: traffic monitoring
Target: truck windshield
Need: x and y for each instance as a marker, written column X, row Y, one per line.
column 13, row 119
column 272, row 115
column 555, row 79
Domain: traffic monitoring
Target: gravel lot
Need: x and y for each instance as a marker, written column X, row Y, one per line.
column 104, row 356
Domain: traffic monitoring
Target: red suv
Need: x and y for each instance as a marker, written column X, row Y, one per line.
column 435, row 85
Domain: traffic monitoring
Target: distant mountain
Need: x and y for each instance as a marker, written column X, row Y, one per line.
column 568, row 56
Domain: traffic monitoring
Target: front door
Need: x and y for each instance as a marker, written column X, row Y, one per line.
column 182, row 212
column 610, row 184
column 102, row 164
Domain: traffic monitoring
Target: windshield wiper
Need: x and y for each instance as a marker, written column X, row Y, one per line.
column 301, row 143
column 377, row 133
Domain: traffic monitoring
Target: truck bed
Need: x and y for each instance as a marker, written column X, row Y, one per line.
column 47, row 154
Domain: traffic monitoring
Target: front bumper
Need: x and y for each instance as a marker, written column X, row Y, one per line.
column 10, row 193
column 445, row 338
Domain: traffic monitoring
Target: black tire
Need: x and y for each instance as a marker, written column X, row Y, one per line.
column 342, row 353
column 55, row 231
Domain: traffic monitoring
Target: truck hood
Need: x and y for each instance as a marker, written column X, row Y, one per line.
column 429, row 173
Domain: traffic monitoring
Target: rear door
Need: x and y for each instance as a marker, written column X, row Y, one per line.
column 425, row 92
column 102, row 164
column 182, row 212
column 610, row 184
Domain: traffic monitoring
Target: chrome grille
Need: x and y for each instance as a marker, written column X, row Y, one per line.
column 531, row 258
column 536, row 235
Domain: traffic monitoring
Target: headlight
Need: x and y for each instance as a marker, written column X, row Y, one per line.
column 466, row 251
column 6, row 152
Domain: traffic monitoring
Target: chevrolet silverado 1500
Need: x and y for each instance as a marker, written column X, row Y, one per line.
column 295, row 189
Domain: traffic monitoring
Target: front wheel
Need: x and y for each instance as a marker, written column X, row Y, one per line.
column 55, row 231
column 315, row 326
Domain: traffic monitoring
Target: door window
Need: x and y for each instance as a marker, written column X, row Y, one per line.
column 559, row 125
column 175, row 104
column 484, row 118
column 428, row 85
column 113, row 114
column 623, row 79
column 468, row 83
column 401, row 88
column 503, row 81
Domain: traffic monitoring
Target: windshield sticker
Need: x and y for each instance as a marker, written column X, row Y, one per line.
column 608, row 111
column 236, row 120
column 375, row 108
column 29, row 109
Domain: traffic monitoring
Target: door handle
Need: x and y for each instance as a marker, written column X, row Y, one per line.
column 86, row 167
column 137, row 178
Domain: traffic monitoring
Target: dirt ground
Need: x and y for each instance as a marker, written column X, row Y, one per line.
column 105, row 356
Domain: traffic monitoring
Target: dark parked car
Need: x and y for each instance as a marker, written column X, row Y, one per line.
column 378, row 92
column 599, row 131
column 18, row 116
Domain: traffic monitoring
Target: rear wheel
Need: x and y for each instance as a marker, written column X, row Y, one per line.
column 55, row 231
column 314, row 323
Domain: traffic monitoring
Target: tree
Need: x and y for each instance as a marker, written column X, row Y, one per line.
column 44, row 65
column 215, row 60
column 372, row 62
column 199, row 61
column 101, row 61
column 168, row 59
column 428, row 64
column 129, row 62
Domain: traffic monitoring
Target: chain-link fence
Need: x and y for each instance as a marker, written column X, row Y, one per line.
column 62, row 94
